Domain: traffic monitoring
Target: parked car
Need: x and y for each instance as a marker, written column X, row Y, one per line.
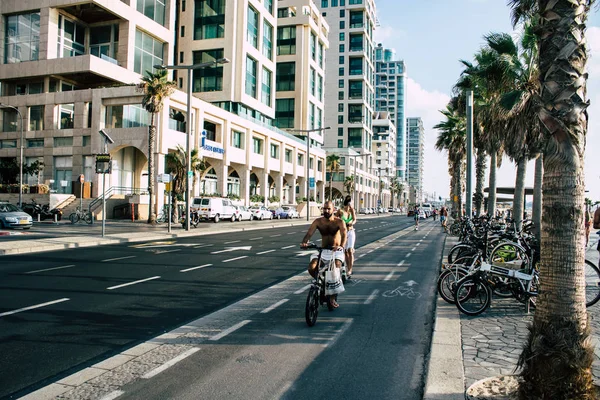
column 214, row 208
column 11, row 216
column 278, row 213
column 260, row 212
column 243, row 214
column 291, row 212
column 410, row 212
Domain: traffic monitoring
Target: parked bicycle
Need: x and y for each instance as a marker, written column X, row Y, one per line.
column 79, row 215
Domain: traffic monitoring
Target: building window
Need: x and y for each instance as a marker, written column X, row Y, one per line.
column 341, row 71
column 210, row 130
column 126, row 116
column 313, row 77
column 301, row 159
column 356, row 19
column 209, row 79
column 66, row 113
column 320, row 165
column 182, row 30
column 148, row 53
column 269, row 6
column 340, row 95
column 355, row 65
column 285, row 76
column 324, row 3
column 342, row 48
column 342, row 24
column 275, row 151
column 257, row 145
column 320, row 54
column 71, row 38
column 355, row 113
column 334, row 3
column 252, row 27
column 341, row 60
column 251, row 77
column 267, row 40
column 320, row 87
column 340, row 83
column 340, row 143
column 286, row 40
column 355, row 89
column 209, row 19
column 36, row 118
column 340, row 119
column 340, row 131
column 104, row 41
column 354, row 137
column 22, row 37
column 288, row 156
column 35, row 142
column 319, row 120
column 86, row 140
column 284, row 113
column 237, row 139
column 63, row 141
column 266, row 87
column 153, row 9
column 341, row 107
column 311, row 115
column 356, row 42
column 8, row 144
column 313, row 46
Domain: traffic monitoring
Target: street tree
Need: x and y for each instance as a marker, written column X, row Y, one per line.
column 333, row 167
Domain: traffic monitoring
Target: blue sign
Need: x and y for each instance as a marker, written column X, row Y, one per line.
column 208, row 147
column 311, row 183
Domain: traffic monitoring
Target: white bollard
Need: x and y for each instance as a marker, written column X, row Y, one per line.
column 55, row 219
column 39, row 217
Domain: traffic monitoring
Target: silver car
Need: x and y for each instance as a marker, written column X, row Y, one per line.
column 12, row 217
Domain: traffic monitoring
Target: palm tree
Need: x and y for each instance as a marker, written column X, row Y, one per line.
column 333, row 166
column 556, row 362
column 349, row 184
column 177, row 163
column 156, row 88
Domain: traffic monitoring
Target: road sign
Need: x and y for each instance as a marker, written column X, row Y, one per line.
column 164, row 178
column 81, row 178
column 103, row 164
column 311, row 183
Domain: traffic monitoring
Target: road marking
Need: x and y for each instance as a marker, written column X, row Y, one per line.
column 266, row 251
column 288, row 247
column 193, row 268
column 389, row 276
column 274, row 306
column 304, row 289
column 275, row 235
column 408, row 255
column 372, row 297
column 418, row 244
column 414, row 248
column 229, row 330
column 424, row 237
column 132, row 283
column 377, row 248
column 258, row 238
column 237, row 258
column 229, row 249
column 203, row 245
column 370, row 251
column 169, row 363
column 118, row 258
column 113, row 395
column 339, row 333
column 233, row 241
column 33, row 307
column 291, row 233
column 163, row 251
column 401, row 263
column 49, row 269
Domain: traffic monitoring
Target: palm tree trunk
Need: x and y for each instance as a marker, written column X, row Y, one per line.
column 491, row 207
column 457, row 189
column 480, row 165
column 537, row 197
column 557, row 359
column 519, row 196
column 151, row 140
column 330, row 184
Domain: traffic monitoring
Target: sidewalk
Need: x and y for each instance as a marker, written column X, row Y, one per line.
column 466, row 349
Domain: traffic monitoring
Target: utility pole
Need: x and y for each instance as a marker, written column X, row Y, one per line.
column 469, row 199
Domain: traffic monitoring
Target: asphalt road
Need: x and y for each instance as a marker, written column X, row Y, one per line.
column 96, row 302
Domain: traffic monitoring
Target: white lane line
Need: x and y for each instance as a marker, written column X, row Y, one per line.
column 288, row 247
column 167, row 251
column 133, row 283
column 193, row 268
column 274, row 306
column 362, row 255
column 408, row 255
column 370, row 251
column 318, row 240
column 258, row 238
column 372, row 297
column 33, row 307
column 203, row 245
column 424, row 237
column 233, row 241
column 275, row 235
column 401, row 263
column 230, row 329
column 291, row 233
column 233, row 259
column 118, row 258
column 389, row 276
column 377, row 248
column 49, row 269
column 339, row 333
column 113, row 395
column 169, row 363
column 266, row 251
column 304, row 289
column 418, row 244
column 414, row 248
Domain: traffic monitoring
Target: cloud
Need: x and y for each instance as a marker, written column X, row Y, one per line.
column 385, row 33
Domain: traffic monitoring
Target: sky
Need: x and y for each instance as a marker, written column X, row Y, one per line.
column 431, row 37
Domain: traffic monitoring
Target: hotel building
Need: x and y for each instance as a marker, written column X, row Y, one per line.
column 415, row 156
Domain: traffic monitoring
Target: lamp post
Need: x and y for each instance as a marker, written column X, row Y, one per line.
column 188, row 126
column 307, row 131
column 21, row 153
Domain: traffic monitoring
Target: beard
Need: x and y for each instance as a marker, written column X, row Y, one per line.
column 327, row 215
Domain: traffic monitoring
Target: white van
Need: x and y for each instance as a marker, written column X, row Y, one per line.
column 215, row 208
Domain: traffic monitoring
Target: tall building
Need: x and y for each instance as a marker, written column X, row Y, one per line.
column 415, row 155
column 384, row 155
column 71, row 68
column 390, row 81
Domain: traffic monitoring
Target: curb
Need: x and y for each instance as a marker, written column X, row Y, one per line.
column 445, row 378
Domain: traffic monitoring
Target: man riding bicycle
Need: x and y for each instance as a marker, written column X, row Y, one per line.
column 333, row 236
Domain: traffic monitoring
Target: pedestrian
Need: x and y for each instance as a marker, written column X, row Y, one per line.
column 416, row 216
column 348, row 215
column 435, row 213
column 597, row 225
column 443, row 217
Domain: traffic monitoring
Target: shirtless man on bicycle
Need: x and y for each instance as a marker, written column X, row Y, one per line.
column 333, row 235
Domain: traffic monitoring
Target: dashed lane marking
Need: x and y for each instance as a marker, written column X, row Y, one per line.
column 304, row 289
column 275, row 235
column 49, row 269
column 132, row 283
column 288, row 247
column 236, row 258
column 401, row 263
column 230, row 330
column 266, row 251
column 274, row 306
column 118, row 258
column 169, row 363
column 193, row 268
column 4, row 314
column 372, row 297
column 258, row 238
column 414, row 248
column 408, row 255
column 233, row 241
column 389, row 276
column 203, row 245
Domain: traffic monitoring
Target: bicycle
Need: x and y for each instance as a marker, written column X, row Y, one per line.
column 79, row 215
column 316, row 294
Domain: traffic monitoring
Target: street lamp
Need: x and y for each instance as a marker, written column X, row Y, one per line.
column 188, row 125
column 21, row 156
column 307, row 131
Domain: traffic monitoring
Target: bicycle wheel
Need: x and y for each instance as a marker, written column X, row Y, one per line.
column 312, row 306
column 446, row 283
column 87, row 217
column 509, row 255
column 592, row 283
column 460, row 250
column 473, row 296
column 74, row 218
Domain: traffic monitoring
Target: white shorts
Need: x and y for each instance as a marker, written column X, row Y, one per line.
column 350, row 239
column 327, row 255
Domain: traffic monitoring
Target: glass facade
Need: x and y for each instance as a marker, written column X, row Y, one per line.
column 209, row 19
column 284, row 113
column 208, row 79
column 267, row 48
column 71, row 38
column 250, row 77
column 104, row 41
column 153, row 9
column 252, row 27
column 285, row 76
column 148, row 53
column 126, row 116
column 22, row 37
column 266, row 87
column 286, row 40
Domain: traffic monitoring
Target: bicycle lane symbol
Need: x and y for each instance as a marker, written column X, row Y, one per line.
column 406, row 289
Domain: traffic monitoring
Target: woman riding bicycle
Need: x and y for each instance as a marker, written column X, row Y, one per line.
column 348, row 215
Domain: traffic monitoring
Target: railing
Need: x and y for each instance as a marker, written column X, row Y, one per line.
column 114, row 190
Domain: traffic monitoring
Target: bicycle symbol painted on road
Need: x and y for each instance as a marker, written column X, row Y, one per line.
column 403, row 290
